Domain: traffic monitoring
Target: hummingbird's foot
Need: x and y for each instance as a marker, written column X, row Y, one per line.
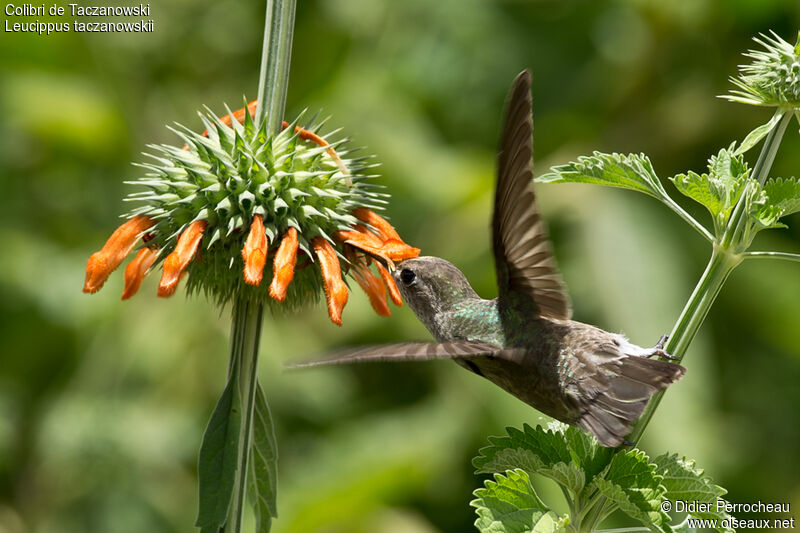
column 661, row 342
column 658, row 352
column 626, row 442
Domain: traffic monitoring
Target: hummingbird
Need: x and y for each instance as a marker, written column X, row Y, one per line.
column 524, row 340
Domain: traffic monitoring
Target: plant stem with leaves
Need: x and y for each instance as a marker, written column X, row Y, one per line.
column 243, row 372
column 230, row 481
column 598, row 481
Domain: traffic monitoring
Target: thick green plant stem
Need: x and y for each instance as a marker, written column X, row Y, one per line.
column 243, row 365
column 275, row 59
column 719, row 267
column 246, row 328
column 724, row 258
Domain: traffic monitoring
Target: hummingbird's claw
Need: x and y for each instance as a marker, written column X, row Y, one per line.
column 658, row 352
column 626, row 442
column 661, row 342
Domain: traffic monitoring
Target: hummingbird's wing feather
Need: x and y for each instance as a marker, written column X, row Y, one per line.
column 403, row 351
column 523, row 256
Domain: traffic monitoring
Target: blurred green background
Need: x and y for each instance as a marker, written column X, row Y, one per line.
column 103, row 403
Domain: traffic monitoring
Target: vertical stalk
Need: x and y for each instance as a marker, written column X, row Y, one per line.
column 275, row 58
column 736, row 225
column 724, row 258
column 243, row 366
column 246, row 327
column 719, row 267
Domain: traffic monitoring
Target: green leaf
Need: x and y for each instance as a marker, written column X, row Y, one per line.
column 720, row 189
column 632, row 171
column 216, row 466
column 510, row 505
column 548, row 446
column 755, row 136
column 586, row 452
column 784, row 193
column 632, row 484
column 263, row 464
column 763, row 214
column 686, row 482
column 537, row 452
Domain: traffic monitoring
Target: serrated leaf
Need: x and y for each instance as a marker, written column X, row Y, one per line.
column 543, row 452
column 755, row 136
column 631, row 171
column 784, row 193
column 216, row 465
column 548, row 446
column 586, row 452
column 632, row 483
column 510, row 505
column 686, row 482
column 569, row 475
column 763, row 214
column 630, row 505
column 263, row 464
column 719, row 190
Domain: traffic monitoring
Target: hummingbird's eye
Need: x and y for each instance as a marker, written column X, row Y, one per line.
column 407, row 276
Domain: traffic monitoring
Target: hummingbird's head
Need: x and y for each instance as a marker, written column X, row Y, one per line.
column 430, row 285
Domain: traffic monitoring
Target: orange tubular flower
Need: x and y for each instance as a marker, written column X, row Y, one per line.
column 387, row 244
column 373, row 286
column 283, row 267
column 254, row 252
column 383, row 227
column 137, row 269
column 335, row 290
column 394, row 292
column 178, row 260
column 397, row 250
column 302, row 169
column 101, row 264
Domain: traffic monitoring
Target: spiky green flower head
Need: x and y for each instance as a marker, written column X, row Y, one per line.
column 773, row 77
column 202, row 200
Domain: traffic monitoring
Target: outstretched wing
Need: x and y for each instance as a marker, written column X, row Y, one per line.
column 523, row 256
column 403, row 351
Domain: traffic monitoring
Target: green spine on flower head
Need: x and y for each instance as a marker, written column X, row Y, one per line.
column 237, row 172
column 773, row 77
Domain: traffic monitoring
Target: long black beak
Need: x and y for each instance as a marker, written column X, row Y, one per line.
column 385, row 261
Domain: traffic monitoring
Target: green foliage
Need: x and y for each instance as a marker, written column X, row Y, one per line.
column 595, row 480
column 755, row 136
column 510, row 505
column 538, row 452
column 217, row 460
column 684, row 481
column 631, row 484
column 263, row 464
column 631, row 171
column 718, row 190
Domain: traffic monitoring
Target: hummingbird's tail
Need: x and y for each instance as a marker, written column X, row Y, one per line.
column 611, row 408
